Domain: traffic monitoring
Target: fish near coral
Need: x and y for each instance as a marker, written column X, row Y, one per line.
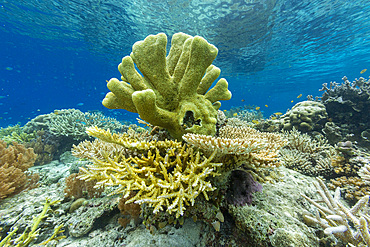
column 173, row 92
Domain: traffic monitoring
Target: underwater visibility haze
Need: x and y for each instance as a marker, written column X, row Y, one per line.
column 153, row 157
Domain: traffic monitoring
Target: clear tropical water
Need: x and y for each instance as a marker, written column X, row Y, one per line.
column 58, row 54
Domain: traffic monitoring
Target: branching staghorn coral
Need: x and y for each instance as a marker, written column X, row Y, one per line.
column 335, row 218
column 307, row 155
column 166, row 175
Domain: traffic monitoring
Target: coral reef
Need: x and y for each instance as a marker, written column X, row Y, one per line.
column 310, row 156
column 349, row 168
column 337, row 219
column 273, row 218
column 305, row 116
column 71, row 123
column 348, row 105
column 169, row 175
column 130, row 211
column 14, row 162
column 85, row 217
column 59, row 130
column 172, row 93
column 332, row 132
column 236, row 145
column 15, row 134
column 241, row 189
column 45, row 149
column 364, row 173
column 242, row 148
column 353, row 188
column 245, row 113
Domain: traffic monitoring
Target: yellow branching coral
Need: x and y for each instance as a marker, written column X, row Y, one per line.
column 126, row 141
column 167, row 175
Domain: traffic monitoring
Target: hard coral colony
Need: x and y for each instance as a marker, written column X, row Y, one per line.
column 169, row 176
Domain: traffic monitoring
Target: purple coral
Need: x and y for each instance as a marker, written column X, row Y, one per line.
column 241, row 188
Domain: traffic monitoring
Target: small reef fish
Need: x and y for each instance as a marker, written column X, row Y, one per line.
column 225, row 110
column 9, row 68
column 243, row 100
column 2, row 97
column 291, row 101
column 80, row 104
column 278, row 113
column 235, row 114
column 255, row 121
column 273, row 118
column 257, row 108
column 266, row 105
column 299, row 96
column 363, row 71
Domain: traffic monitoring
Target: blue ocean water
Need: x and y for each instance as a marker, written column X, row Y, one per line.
column 58, row 54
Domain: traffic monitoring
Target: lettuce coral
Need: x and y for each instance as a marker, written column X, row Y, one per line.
column 171, row 92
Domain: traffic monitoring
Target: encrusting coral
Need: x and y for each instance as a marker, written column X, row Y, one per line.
column 172, row 93
column 14, row 162
column 166, row 175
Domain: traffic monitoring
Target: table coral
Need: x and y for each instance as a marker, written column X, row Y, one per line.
column 236, row 145
column 71, row 123
column 171, row 92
